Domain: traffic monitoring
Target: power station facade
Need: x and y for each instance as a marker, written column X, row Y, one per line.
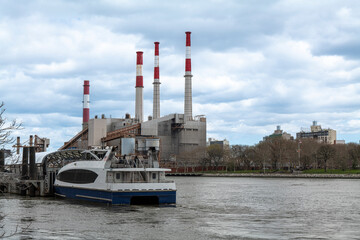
column 177, row 135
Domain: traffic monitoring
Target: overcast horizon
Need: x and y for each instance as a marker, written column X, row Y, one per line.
column 255, row 64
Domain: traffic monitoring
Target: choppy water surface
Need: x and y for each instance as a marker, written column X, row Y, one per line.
column 208, row 208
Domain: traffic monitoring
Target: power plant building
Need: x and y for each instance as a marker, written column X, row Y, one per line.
column 176, row 133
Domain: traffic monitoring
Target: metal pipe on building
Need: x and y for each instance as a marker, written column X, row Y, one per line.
column 188, row 77
column 86, row 103
column 139, row 88
column 156, row 94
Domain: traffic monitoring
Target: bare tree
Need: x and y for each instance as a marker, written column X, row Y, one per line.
column 325, row 153
column 237, row 155
column 354, row 155
column 192, row 158
column 308, row 150
column 341, row 157
column 215, row 154
column 6, row 128
column 278, row 148
column 262, row 154
column 247, row 156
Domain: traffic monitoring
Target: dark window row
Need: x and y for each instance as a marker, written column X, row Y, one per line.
column 77, row 176
column 314, row 134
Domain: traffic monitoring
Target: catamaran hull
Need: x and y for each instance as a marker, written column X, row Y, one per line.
column 114, row 197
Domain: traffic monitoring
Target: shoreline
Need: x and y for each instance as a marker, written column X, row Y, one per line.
column 283, row 175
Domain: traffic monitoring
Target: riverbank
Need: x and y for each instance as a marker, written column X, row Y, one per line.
column 282, row 175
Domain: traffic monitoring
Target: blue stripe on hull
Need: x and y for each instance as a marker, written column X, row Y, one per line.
column 165, row 197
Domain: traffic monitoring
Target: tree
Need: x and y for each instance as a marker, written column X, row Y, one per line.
column 240, row 155
column 215, row 153
column 341, row 157
column 279, row 151
column 354, row 155
column 308, row 150
column 6, row 128
column 325, row 153
column 262, row 154
column 247, row 157
column 192, row 158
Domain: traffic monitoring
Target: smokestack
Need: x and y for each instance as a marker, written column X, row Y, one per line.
column 86, row 103
column 139, row 88
column 156, row 95
column 188, row 76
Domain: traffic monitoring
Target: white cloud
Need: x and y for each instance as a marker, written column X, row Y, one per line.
column 255, row 65
column 54, row 68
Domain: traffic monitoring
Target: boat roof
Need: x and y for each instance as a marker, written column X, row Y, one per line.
column 69, row 154
column 17, row 158
column 101, row 165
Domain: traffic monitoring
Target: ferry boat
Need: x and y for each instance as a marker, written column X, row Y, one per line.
column 126, row 180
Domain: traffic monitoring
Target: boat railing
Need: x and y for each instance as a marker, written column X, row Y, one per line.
column 140, row 164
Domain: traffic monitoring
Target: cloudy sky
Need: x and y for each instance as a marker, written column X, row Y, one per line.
column 255, row 64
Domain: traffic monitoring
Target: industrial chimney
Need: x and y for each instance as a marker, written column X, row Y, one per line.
column 86, row 103
column 156, row 94
column 139, row 88
column 188, row 76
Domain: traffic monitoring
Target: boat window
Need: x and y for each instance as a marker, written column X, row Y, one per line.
column 154, row 175
column 81, row 176
column 117, row 175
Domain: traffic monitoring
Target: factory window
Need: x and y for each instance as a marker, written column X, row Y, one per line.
column 81, row 176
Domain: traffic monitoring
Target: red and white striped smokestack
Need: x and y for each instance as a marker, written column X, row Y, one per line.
column 86, row 103
column 156, row 94
column 139, row 87
column 188, row 76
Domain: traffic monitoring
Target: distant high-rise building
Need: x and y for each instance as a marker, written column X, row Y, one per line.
column 317, row 133
column 224, row 143
column 279, row 133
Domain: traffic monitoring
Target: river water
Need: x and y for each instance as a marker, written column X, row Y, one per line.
column 207, row 208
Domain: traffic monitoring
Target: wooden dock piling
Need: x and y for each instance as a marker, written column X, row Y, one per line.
column 2, row 160
column 25, row 162
column 32, row 170
column 2, row 167
column 24, row 169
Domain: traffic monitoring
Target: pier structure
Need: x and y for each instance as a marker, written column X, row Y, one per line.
column 21, row 173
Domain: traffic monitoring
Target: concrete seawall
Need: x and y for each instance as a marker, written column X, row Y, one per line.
column 283, row 175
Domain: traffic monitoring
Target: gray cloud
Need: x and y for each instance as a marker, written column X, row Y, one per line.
column 256, row 64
